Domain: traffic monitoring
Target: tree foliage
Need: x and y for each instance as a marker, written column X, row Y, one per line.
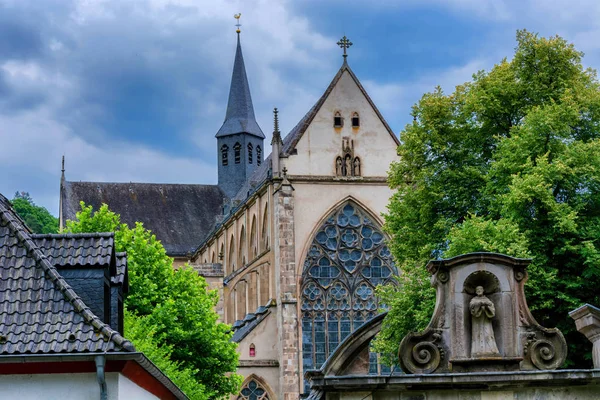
column 174, row 307
column 509, row 162
column 37, row 218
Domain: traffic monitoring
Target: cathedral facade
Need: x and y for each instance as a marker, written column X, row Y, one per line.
column 292, row 242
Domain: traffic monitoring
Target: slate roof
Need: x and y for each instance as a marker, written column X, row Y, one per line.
column 240, row 111
column 39, row 311
column 180, row 215
column 241, row 328
column 82, row 249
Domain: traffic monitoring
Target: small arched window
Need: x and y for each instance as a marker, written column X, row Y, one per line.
column 224, row 154
column 249, row 153
column 258, row 155
column 237, row 152
column 252, row 352
column 355, row 120
column 338, row 121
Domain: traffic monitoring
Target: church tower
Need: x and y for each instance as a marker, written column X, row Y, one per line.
column 240, row 139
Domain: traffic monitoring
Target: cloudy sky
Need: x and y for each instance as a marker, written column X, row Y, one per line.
column 135, row 90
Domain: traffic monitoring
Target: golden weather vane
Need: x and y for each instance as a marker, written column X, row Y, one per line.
column 237, row 16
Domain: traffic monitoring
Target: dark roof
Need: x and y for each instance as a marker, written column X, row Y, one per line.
column 179, row 215
column 240, row 111
column 121, row 277
column 292, row 138
column 83, row 249
column 39, row 311
column 241, row 328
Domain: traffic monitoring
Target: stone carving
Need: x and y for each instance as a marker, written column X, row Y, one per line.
column 587, row 321
column 481, row 321
column 356, row 166
column 426, row 352
column 338, row 167
column 347, row 166
column 483, row 342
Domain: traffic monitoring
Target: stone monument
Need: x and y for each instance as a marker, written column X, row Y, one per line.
column 481, row 321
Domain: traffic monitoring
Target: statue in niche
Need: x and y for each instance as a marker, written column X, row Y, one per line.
column 338, row 166
column 483, row 342
column 356, row 166
column 348, row 166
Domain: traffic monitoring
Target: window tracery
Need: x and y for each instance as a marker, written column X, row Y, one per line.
column 253, row 391
column 347, row 259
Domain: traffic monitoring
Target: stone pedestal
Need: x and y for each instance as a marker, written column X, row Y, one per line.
column 587, row 321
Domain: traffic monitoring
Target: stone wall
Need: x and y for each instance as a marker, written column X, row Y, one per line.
column 286, row 289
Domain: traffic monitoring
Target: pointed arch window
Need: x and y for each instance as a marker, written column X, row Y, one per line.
column 249, row 153
column 355, row 120
column 338, row 121
column 258, row 155
column 224, row 154
column 237, row 152
column 253, row 391
column 347, row 259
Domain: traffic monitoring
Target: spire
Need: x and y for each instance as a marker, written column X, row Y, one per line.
column 276, row 133
column 240, row 111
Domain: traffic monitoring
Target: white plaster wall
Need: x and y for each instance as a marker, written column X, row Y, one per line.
column 313, row 201
column 130, row 391
column 322, row 143
column 69, row 387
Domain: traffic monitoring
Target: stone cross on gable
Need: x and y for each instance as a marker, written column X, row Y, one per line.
column 344, row 43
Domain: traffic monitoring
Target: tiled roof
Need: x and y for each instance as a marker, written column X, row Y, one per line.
column 39, row 311
column 83, row 249
column 120, row 278
column 180, row 215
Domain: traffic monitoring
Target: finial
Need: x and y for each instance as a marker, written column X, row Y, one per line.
column 285, row 172
column 237, row 17
column 275, row 120
column 62, row 169
column 344, row 43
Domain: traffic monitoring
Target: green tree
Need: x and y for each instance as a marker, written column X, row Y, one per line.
column 176, row 306
column 509, row 162
column 37, row 218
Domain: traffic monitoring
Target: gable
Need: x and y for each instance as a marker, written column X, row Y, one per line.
column 314, row 143
column 39, row 311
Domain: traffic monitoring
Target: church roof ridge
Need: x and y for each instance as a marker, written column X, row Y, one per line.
column 240, row 111
column 143, row 183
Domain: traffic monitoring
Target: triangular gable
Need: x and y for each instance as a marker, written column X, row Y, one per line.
column 39, row 311
column 292, row 138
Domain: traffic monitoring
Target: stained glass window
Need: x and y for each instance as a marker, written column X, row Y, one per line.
column 253, row 391
column 347, row 259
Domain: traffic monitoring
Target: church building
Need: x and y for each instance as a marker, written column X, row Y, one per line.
column 292, row 242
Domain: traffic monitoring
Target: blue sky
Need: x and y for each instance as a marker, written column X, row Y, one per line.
column 135, row 90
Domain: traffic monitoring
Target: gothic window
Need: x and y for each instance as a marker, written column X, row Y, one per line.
column 224, row 154
column 347, row 259
column 253, row 391
column 249, row 153
column 355, row 120
column 237, row 150
column 258, row 155
column 338, row 121
column 252, row 350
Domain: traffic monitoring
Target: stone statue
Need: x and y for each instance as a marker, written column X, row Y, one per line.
column 338, row 166
column 483, row 342
column 348, row 166
column 356, row 166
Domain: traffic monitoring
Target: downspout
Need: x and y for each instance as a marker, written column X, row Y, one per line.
column 100, row 364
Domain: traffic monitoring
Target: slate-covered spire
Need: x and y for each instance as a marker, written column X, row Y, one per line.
column 240, row 112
